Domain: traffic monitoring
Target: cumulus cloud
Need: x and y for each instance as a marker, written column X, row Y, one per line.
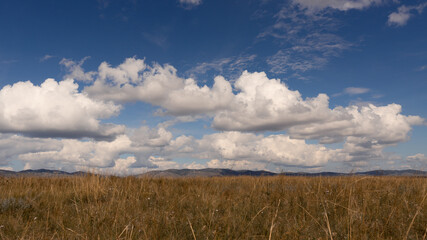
column 235, row 149
column 251, row 103
column 275, row 149
column 11, row 146
column 384, row 124
column 74, row 153
column 122, row 167
column 144, row 136
column 262, row 104
column 146, row 148
column 75, row 70
column 404, row 13
column 126, row 73
column 418, row 161
column 135, row 152
column 235, row 165
column 159, row 85
column 54, row 109
column 141, row 145
column 343, row 5
column 268, row 104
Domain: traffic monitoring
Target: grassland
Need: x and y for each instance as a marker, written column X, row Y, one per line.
column 96, row 207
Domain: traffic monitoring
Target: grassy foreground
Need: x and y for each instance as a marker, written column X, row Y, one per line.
column 94, row 207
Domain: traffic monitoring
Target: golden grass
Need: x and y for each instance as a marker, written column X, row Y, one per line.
column 96, row 207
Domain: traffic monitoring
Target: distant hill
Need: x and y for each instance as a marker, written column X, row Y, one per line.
column 207, row 172
column 38, row 173
column 216, row 172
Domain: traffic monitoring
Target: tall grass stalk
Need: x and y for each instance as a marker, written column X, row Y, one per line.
column 99, row 207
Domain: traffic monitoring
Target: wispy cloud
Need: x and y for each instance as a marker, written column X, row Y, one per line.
column 159, row 38
column 46, row 57
column 356, row 90
column 225, row 66
column 188, row 4
column 343, row 5
column 102, row 4
column 352, row 91
column 8, row 61
column 422, row 68
column 307, row 41
column 217, row 65
column 76, row 72
column 404, row 13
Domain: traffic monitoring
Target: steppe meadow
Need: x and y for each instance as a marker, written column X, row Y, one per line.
column 102, row 102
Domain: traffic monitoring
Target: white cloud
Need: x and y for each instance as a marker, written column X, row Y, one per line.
column 225, row 66
column 252, row 102
column 159, row 149
column 417, row 157
column 267, row 104
column 352, row 91
column 159, row 85
column 384, row 125
column 236, row 165
column 54, row 109
column 155, row 150
column 75, row 70
column 122, row 167
column 418, row 161
column 76, row 153
column 356, row 90
column 159, row 38
column 262, row 104
column 343, row 5
column 46, row 57
column 273, row 149
column 151, row 137
column 126, row 73
column 190, row 3
column 307, row 41
column 404, row 13
column 11, row 146
column 285, row 60
column 8, row 61
column 257, row 104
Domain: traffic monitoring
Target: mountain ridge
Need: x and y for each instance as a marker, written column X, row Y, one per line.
column 215, row 172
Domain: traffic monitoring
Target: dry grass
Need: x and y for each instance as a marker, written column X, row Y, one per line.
column 94, row 207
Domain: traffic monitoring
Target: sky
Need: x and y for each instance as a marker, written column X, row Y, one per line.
column 126, row 87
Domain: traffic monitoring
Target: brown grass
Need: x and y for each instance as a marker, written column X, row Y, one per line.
column 95, row 207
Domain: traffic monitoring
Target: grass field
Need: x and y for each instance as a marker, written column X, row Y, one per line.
column 95, row 207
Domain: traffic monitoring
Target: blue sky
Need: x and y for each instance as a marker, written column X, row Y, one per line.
column 130, row 86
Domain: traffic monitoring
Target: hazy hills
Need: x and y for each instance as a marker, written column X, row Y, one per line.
column 217, row 172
